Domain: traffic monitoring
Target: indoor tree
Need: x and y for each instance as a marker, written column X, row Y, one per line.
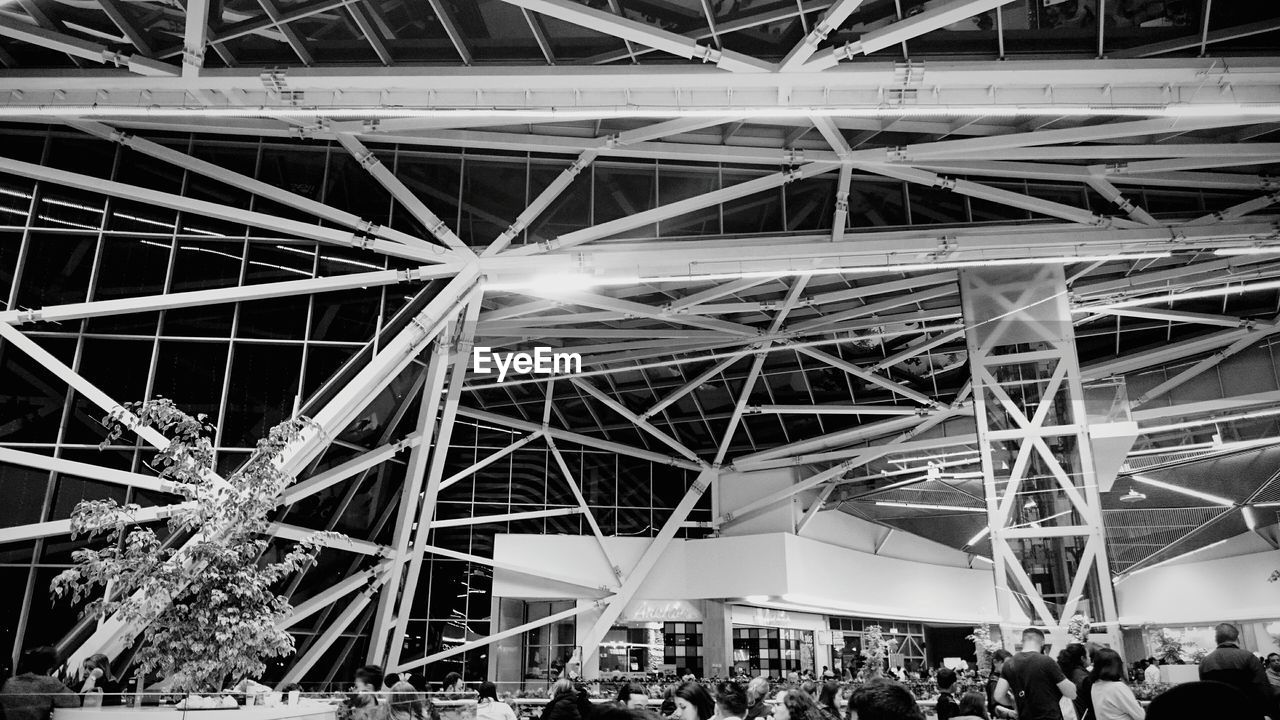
column 209, row 606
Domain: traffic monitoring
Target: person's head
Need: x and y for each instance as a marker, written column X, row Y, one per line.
column 810, row 687
column 693, row 702
column 418, row 681
column 946, row 679
column 487, row 691
column 38, row 661
column 390, row 679
column 973, row 703
column 1071, row 657
column 757, row 689
column 731, row 699
column 1032, row 640
column 453, row 682
column 632, row 696
column 883, row 699
column 830, row 689
column 405, row 701
column 1273, row 662
column 796, row 705
column 563, row 686
column 1226, row 632
column 97, row 662
column 1107, row 665
column 997, row 659
column 369, row 677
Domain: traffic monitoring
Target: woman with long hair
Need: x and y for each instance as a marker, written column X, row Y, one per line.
column 563, row 704
column 796, row 704
column 827, row 699
column 1112, row 698
column 98, row 687
column 489, row 707
column 997, row 665
column 632, row 696
column 693, row 702
column 973, row 706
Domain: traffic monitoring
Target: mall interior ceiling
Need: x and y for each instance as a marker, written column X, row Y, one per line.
column 747, row 217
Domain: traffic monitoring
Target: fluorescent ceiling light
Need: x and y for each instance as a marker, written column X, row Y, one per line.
column 1267, row 504
column 633, row 111
column 1211, row 421
column 1174, row 559
column 1264, row 250
column 1189, row 295
column 978, row 538
column 1190, row 493
column 924, row 506
column 568, row 282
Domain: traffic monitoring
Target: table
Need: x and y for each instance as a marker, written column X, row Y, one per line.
column 282, row 712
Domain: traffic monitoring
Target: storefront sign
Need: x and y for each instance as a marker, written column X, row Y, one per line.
column 641, row 611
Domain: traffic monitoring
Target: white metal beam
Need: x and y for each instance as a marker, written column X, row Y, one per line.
column 333, row 593
column 410, row 202
column 273, row 223
column 642, row 34
column 585, row 509
column 354, row 466
column 831, row 19
column 195, row 36
column 910, row 27
column 52, row 528
column 637, row 420
column 85, row 49
column 86, row 470
column 242, row 293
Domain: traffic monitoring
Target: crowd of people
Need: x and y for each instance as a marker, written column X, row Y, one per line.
column 1083, row 683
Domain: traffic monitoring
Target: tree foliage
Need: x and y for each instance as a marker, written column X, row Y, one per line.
column 208, row 605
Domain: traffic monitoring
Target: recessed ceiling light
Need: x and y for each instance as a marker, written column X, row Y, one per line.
column 1133, row 496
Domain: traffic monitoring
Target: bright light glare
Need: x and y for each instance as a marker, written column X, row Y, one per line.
column 1184, row 491
column 1189, row 295
column 573, row 282
column 978, row 538
column 922, row 506
column 1263, row 250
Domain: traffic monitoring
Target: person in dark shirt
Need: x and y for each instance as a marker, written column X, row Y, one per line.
column 1033, row 681
column 947, row 706
column 1072, row 662
column 32, row 694
column 883, row 699
column 1238, row 668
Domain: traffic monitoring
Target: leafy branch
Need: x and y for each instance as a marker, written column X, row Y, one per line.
column 209, row 605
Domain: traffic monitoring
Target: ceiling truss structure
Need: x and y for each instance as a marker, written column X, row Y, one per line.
column 834, row 345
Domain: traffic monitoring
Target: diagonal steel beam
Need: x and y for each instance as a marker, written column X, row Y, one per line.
column 171, row 201
column 451, row 29
column 569, row 478
column 642, row 34
column 291, row 36
column 83, row 49
column 833, row 18
column 648, row 560
column 635, row 419
column 905, row 29
column 370, row 33
column 126, row 27
column 434, row 225
column 675, row 209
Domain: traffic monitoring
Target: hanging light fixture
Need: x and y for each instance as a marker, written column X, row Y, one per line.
column 1133, row 496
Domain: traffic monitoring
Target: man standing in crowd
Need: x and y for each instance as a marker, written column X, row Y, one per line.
column 1033, row 681
column 1238, row 668
column 1151, row 675
column 1273, row 672
column 947, row 705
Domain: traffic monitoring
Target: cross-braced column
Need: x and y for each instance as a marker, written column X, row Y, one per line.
column 1043, row 504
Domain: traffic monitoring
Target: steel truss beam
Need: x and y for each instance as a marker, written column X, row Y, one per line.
column 641, row 33
column 1077, row 86
column 244, row 182
column 84, row 49
column 243, row 293
column 170, row 201
column 914, row 26
column 1029, row 307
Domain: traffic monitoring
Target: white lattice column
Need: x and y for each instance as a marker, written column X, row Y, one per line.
column 1044, row 509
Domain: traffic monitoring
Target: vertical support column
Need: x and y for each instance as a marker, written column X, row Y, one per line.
column 1043, row 505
